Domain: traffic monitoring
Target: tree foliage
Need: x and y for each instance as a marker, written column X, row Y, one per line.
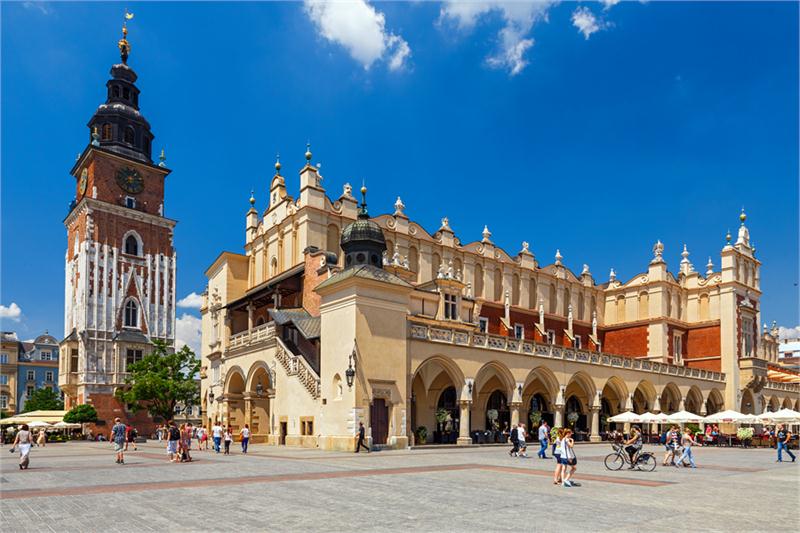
column 44, row 399
column 162, row 380
column 81, row 414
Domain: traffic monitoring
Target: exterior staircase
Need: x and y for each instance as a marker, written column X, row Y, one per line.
column 296, row 365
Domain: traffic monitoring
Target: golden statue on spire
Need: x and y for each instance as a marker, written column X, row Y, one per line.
column 124, row 45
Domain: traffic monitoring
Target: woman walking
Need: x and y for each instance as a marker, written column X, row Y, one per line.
column 42, row 439
column 228, row 439
column 557, row 456
column 568, row 459
column 24, row 440
column 687, row 441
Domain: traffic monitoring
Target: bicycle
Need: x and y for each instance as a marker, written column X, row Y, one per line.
column 615, row 461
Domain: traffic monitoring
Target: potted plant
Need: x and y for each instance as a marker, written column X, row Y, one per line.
column 572, row 417
column 535, row 417
column 554, row 435
column 422, row 435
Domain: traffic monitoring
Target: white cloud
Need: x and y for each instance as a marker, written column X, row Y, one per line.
column 43, row 8
column 789, row 333
column 191, row 301
column 585, row 21
column 12, row 312
column 514, row 39
column 360, row 29
column 187, row 333
column 608, row 4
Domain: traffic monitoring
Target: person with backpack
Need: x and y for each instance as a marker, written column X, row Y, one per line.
column 118, row 432
column 514, row 438
column 173, row 438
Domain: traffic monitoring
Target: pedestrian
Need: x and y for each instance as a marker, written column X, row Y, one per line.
column 671, row 442
column 228, row 439
column 687, row 441
column 173, row 438
column 24, row 441
column 198, row 434
column 514, row 438
column 361, row 438
column 544, row 438
column 118, row 437
column 131, row 437
column 216, row 434
column 186, row 438
column 557, row 456
column 523, row 447
column 203, row 439
column 245, row 436
column 783, row 437
column 568, row 460
column 42, row 439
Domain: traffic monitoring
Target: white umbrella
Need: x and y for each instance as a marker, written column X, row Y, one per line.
column 730, row 417
column 38, row 424
column 788, row 416
column 650, row 418
column 628, row 417
column 65, row 425
column 683, row 417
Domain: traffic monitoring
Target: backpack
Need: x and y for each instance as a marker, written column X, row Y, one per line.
column 174, row 434
column 663, row 439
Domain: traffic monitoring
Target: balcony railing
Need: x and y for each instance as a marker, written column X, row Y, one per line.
column 525, row 347
column 253, row 336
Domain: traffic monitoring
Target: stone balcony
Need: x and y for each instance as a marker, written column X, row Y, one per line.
column 460, row 337
column 248, row 340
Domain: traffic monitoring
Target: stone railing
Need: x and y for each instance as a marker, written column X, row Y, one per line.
column 296, row 365
column 252, row 337
column 551, row 351
column 778, row 385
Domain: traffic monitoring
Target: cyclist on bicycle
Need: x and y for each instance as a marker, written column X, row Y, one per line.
column 634, row 445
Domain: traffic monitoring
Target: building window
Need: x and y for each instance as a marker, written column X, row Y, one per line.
column 129, row 135
column 3, row 358
column 130, row 202
column 106, row 135
column 29, row 391
column 747, row 337
column 3, row 401
column 115, row 91
column 131, row 314
column 551, row 336
column 46, row 356
column 3, row 379
column 483, row 324
column 31, row 375
column 73, row 360
column 677, row 355
column 307, row 426
column 519, row 331
column 48, row 376
column 450, row 307
column 578, row 342
column 132, row 356
column 131, row 245
column 215, row 375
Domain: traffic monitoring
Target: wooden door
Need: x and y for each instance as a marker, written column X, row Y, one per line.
column 379, row 418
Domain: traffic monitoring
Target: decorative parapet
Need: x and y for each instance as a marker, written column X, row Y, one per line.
column 241, row 342
column 780, row 386
column 550, row 351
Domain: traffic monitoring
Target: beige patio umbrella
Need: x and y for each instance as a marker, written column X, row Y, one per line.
column 684, row 417
column 730, row 417
column 783, row 416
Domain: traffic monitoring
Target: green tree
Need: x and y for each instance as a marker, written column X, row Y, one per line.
column 81, row 414
column 44, row 399
column 162, row 380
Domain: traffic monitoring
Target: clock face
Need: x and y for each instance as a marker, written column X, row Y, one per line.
column 130, row 180
column 83, row 181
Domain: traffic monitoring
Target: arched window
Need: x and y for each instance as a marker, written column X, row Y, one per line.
column 515, row 290
column 533, row 300
column 478, row 281
column 621, row 308
column 704, row 314
column 115, row 91
column 126, row 93
column 553, row 299
column 107, row 132
column 273, row 267
column 644, row 304
column 567, row 301
column 131, row 245
column 131, row 314
column 129, row 134
column 413, row 260
column 498, row 285
column 581, row 305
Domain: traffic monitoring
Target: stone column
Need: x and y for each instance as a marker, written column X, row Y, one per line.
column 249, row 316
column 595, row 435
column 514, row 413
column 248, row 411
column 463, row 425
column 559, row 418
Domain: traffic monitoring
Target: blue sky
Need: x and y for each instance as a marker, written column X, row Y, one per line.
column 595, row 128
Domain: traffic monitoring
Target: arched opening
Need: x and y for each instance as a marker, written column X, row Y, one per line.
column 552, row 300
column 515, row 289
column 258, row 385
column 581, row 303
column 567, row 301
column 131, row 312
column 621, row 308
column 576, row 417
column 436, row 263
column 491, row 378
column 773, row 405
column 714, row 402
column 613, row 398
column 581, row 390
column 413, row 261
column 670, row 400
column 532, row 298
column 538, row 396
column 107, row 132
column 644, row 397
column 131, row 245
column 498, row 416
column 644, row 304
column 498, row 285
column 704, row 313
column 748, row 403
column 129, row 135
column 694, row 400
column 435, row 390
column 447, row 411
column 234, row 394
column 115, row 91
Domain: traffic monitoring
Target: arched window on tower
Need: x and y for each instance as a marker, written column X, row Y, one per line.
column 115, row 91
column 126, row 93
column 131, row 314
column 129, row 134
column 131, row 245
column 107, row 132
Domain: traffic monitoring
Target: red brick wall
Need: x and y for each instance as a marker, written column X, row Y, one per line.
column 706, row 364
column 311, row 279
column 108, row 408
column 631, row 342
column 702, row 342
column 103, row 175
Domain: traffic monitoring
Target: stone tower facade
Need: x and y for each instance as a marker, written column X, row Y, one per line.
column 120, row 263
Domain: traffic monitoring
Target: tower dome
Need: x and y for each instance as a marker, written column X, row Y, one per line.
column 363, row 241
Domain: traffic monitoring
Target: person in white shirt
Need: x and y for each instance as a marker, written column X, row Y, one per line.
column 523, row 447
column 216, row 433
column 544, row 436
column 568, row 460
column 245, row 435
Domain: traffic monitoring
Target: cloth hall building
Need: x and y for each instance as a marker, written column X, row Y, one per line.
column 330, row 318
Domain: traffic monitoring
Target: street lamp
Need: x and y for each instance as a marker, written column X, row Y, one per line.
column 210, row 396
column 259, row 389
column 350, row 373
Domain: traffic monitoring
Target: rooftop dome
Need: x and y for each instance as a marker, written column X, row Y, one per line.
column 362, row 241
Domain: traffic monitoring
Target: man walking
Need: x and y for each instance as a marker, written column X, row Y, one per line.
column 118, row 437
column 544, row 438
column 173, row 436
column 782, row 438
column 216, row 433
column 523, row 446
column 361, row 438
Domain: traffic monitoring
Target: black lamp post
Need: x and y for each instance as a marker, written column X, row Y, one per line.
column 259, row 389
column 350, row 373
column 210, row 396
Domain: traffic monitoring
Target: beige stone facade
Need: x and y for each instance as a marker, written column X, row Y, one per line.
column 465, row 331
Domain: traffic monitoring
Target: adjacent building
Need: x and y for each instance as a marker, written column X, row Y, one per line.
column 37, row 368
column 10, row 348
column 332, row 317
column 120, row 263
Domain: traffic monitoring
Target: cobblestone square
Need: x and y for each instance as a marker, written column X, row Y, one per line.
column 77, row 487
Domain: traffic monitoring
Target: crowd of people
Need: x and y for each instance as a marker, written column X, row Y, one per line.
column 563, row 450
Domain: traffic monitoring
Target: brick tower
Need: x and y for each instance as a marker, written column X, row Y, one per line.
column 120, row 263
